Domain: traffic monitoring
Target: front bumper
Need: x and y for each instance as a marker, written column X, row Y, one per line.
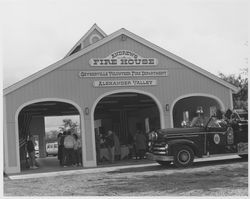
column 151, row 156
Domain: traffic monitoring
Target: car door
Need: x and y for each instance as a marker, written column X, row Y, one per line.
column 216, row 135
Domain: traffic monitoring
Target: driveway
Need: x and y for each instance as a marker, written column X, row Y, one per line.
column 207, row 178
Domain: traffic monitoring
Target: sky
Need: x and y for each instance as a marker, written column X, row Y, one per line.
column 53, row 123
column 212, row 34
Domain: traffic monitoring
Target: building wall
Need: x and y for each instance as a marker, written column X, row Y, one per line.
column 65, row 83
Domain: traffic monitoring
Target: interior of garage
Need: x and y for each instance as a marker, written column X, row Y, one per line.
column 124, row 114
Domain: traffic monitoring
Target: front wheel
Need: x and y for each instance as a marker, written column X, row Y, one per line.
column 183, row 156
column 164, row 163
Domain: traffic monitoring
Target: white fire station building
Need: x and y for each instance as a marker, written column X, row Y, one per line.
column 118, row 81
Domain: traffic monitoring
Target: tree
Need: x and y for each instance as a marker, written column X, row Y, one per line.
column 68, row 124
column 51, row 136
column 240, row 99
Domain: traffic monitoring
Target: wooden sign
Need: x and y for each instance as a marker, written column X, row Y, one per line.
column 123, row 58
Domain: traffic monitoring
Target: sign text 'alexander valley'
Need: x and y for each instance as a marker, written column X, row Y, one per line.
column 119, row 83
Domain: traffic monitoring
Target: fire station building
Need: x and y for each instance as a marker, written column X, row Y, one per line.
column 118, row 81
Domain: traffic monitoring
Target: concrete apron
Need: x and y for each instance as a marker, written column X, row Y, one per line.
column 77, row 172
column 102, row 168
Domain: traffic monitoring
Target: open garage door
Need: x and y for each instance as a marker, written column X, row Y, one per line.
column 31, row 122
column 124, row 114
column 187, row 108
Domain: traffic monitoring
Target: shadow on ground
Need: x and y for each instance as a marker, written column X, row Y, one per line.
column 196, row 164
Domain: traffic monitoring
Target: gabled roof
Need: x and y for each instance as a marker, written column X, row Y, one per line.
column 80, row 42
column 107, row 39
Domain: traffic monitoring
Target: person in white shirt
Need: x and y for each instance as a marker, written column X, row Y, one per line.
column 69, row 143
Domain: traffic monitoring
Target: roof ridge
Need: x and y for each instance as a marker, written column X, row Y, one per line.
column 93, row 27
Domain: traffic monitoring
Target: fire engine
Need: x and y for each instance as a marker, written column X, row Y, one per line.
column 217, row 137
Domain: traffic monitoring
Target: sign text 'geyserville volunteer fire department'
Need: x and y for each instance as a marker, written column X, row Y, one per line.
column 123, row 58
column 111, row 83
column 132, row 73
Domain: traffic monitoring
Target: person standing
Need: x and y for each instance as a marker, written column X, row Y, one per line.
column 78, row 150
column 31, row 152
column 140, row 142
column 110, row 143
column 69, row 143
column 117, row 147
column 60, row 148
column 98, row 146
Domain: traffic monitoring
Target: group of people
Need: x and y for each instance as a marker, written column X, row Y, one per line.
column 69, row 149
column 111, row 141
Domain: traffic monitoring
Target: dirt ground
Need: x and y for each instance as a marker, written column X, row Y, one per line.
column 217, row 178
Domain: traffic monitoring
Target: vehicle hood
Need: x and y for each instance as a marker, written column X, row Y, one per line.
column 181, row 130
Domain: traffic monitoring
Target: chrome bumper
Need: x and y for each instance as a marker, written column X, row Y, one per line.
column 151, row 156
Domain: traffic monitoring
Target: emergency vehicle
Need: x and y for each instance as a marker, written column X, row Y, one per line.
column 215, row 138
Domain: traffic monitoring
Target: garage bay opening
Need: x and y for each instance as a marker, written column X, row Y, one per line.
column 187, row 109
column 130, row 116
column 43, row 123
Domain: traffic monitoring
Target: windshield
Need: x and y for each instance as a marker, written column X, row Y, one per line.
column 199, row 122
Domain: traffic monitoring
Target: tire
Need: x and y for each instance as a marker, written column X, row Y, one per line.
column 183, row 156
column 164, row 163
column 245, row 156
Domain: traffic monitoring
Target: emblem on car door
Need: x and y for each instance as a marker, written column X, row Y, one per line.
column 230, row 135
column 216, row 138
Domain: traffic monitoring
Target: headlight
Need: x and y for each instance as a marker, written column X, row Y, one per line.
column 166, row 148
column 152, row 136
column 149, row 144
